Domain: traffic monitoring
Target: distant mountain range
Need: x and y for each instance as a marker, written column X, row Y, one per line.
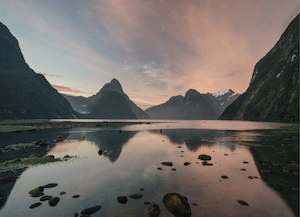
column 273, row 93
column 23, row 93
column 110, row 102
column 193, row 105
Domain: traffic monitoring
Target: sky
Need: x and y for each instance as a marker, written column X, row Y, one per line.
column 155, row 48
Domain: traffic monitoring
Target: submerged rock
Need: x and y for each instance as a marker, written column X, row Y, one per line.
column 243, row 169
column 245, row 162
column 204, row 157
column 153, row 210
column 122, row 199
column 62, row 193
column 167, row 163
column 54, row 201
column 136, row 196
column 187, row 163
column 205, row 163
column 37, row 192
column 159, row 168
column 243, row 203
column 76, row 196
column 100, row 152
column 34, row 205
column 91, row 210
column 50, row 185
column 224, row 177
column 178, row 205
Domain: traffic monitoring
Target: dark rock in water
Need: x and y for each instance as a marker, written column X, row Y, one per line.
column 243, row 203
column 182, row 151
column 159, row 168
column 186, row 163
column 147, row 203
column 37, row 192
column 122, row 199
column 204, row 157
column 245, row 162
column 50, row 185
column 179, row 146
column 142, row 189
column 243, row 169
column 224, row 177
column 34, row 205
column 205, row 163
column 76, row 214
column 46, row 197
column 76, row 196
column 136, row 196
column 62, row 193
column 54, row 201
column 250, row 177
column 91, row 210
column 167, row 163
column 174, row 169
column 194, row 204
column 177, row 205
column 153, row 210
column 67, row 157
column 100, row 152
column 60, row 138
column 225, row 154
column 256, row 177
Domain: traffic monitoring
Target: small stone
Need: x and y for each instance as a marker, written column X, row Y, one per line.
column 243, row 169
column 225, row 154
column 243, row 203
column 142, row 189
column 153, row 210
column 250, row 177
column 67, row 157
column 76, row 196
column 62, row 193
column 205, row 163
column 194, row 204
column 122, row 199
column 34, row 205
column 224, row 177
column 173, row 169
column 136, row 196
column 159, row 168
column 204, row 157
column 147, row 203
column 169, row 164
column 187, row 163
column 46, row 197
column 54, row 201
column 76, row 214
column 245, row 162
column 91, row 210
column 178, row 205
column 50, row 185
column 100, row 152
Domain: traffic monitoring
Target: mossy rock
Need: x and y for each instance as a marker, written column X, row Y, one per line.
column 178, row 205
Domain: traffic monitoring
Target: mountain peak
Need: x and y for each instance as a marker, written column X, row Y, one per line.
column 113, row 85
column 192, row 92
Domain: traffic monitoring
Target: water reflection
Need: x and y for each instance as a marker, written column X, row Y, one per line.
column 130, row 162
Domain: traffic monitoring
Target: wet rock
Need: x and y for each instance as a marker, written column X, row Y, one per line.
column 100, row 152
column 243, row 203
column 142, row 189
column 136, row 196
column 250, row 177
column 245, row 162
column 54, row 201
column 187, row 163
column 45, row 197
column 76, row 196
column 34, row 205
column 182, row 151
column 194, row 204
column 50, row 185
column 91, row 210
column 225, row 154
column 173, row 169
column 62, row 193
column 159, row 168
column 122, row 199
column 177, row 205
column 67, row 157
column 179, row 146
column 224, row 177
column 59, row 139
column 37, row 192
column 205, row 163
column 243, row 169
column 147, row 203
column 256, row 177
column 153, row 210
column 76, row 214
column 167, row 163
column 204, row 157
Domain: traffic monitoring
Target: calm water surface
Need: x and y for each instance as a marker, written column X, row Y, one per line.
column 130, row 161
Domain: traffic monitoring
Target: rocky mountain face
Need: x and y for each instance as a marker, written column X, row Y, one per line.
column 110, row 103
column 273, row 93
column 225, row 98
column 25, row 94
column 193, row 105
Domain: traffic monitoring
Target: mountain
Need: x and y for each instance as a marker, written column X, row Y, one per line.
column 193, row 105
column 225, row 98
column 25, row 94
column 111, row 102
column 273, row 93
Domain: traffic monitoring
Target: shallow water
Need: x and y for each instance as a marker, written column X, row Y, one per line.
column 130, row 162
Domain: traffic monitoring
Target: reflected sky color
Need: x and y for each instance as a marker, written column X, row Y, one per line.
column 208, row 45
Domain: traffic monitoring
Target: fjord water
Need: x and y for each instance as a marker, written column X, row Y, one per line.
column 131, row 157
